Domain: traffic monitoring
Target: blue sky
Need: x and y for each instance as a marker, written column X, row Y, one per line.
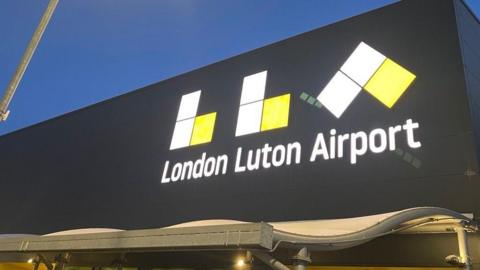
column 93, row 50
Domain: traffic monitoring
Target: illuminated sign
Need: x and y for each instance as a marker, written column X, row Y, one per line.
column 191, row 129
column 377, row 141
column 256, row 113
column 368, row 69
column 365, row 68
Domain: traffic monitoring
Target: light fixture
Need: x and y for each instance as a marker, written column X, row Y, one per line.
column 240, row 262
column 244, row 261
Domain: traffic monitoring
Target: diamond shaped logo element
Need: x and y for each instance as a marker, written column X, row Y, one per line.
column 368, row 69
column 203, row 128
column 362, row 63
column 275, row 112
column 249, row 118
column 389, row 82
column 181, row 134
column 338, row 94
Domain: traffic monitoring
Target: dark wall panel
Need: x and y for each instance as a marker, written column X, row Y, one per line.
column 469, row 36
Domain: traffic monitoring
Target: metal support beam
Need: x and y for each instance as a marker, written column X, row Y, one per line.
column 227, row 237
column 463, row 247
column 27, row 56
column 463, row 258
column 269, row 260
column 302, row 259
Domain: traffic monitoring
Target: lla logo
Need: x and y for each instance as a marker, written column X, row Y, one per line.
column 365, row 69
column 258, row 114
column 191, row 129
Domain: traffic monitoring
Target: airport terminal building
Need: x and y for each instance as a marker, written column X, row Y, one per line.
column 352, row 146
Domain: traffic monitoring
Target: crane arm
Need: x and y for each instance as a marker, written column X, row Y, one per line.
column 27, row 56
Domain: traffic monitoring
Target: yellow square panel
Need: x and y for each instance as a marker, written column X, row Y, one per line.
column 275, row 112
column 203, row 128
column 389, row 82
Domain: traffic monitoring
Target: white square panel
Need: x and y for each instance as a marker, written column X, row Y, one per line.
column 253, row 88
column 182, row 134
column 189, row 105
column 249, row 118
column 338, row 94
column 362, row 63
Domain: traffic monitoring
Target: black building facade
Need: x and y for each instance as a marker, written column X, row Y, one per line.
column 374, row 114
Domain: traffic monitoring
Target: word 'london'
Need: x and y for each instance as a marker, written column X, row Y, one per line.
column 376, row 141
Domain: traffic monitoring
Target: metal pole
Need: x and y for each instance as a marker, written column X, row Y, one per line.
column 22, row 66
column 301, row 259
column 463, row 247
column 269, row 260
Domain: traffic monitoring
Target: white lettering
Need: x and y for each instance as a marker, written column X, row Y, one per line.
column 354, row 151
column 391, row 136
column 333, row 132
column 165, row 178
column 265, row 157
column 409, row 126
column 375, row 141
column 238, row 167
column 198, row 167
column 187, row 169
column 221, row 162
column 253, row 165
column 320, row 148
column 266, row 149
column 298, row 149
column 377, row 148
column 176, row 172
column 202, row 167
column 209, row 167
column 341, row 140
column 278, row 155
